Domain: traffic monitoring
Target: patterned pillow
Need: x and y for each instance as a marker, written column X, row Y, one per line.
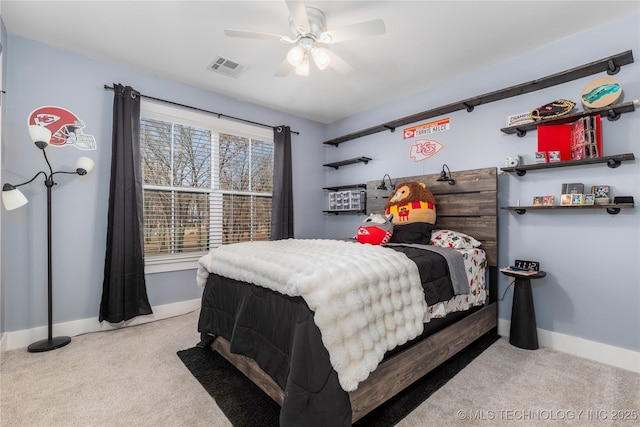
column 453, row 239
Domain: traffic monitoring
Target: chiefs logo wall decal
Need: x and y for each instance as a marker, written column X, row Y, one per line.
column 423, row 149
column 65, row 126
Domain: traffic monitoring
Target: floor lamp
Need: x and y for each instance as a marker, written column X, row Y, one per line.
column 12, row 198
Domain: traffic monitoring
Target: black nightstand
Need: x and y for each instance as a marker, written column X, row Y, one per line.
column 523, row 331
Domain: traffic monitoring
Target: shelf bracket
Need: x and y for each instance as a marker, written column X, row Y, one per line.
column 613, row 211
column 613, row 68
column 391, row 128
column 613, row 163
column 468, row 106
column 521, row 132
column 521, row 211
column 612, row 115
column 521, row 172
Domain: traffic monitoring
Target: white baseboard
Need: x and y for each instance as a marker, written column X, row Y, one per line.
column 599, row 352
column 20, row 339
column 592, row 350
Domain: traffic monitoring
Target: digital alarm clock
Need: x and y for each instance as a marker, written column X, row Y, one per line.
column 527, row 265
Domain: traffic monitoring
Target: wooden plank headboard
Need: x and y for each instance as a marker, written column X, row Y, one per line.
column 470, row 206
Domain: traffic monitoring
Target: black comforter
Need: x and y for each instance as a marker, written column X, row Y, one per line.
column 279, row 333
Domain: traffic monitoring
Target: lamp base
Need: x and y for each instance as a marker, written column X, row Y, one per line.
column 46, row 345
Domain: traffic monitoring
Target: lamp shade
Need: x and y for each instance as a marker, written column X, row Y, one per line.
column 296, row 55
column 12, row 198
column 321, row 57
column 39, row 133
column 303, row 69
column 85, row 163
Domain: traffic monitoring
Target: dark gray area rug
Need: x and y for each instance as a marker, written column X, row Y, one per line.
column 245, row 405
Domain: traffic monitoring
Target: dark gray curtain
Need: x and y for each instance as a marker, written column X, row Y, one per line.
column 124, row 292
column 282, row 208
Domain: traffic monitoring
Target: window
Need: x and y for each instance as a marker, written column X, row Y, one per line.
column 206, row 182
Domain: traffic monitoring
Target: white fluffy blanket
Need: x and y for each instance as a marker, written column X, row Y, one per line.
column 367, row 299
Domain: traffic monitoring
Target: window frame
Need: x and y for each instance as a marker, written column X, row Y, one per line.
column 188, row 117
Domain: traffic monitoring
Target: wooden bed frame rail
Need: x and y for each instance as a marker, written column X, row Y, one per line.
column 392, row 375
column 400, row 371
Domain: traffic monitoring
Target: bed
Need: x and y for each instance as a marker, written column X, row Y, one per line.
column 269, row 332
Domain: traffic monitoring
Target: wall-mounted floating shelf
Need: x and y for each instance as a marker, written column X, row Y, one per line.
column 345, row 211
column 611, row 208
column 611, row 161
column 612, row 112
column 344, row 187
column 610, row 64
column 336, row 165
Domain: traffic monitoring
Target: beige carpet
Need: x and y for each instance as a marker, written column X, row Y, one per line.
column 125, row 377
column 132, row 376
column 506, row 385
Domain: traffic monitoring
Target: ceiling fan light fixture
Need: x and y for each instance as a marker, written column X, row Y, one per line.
column 321, row 57
column 308, row 28
column 296, row 56
column 303, row 68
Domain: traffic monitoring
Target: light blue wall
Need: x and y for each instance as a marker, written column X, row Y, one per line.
column 40, row 75
column 592, row 289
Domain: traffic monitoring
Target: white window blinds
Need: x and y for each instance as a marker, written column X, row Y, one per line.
column 204, row 185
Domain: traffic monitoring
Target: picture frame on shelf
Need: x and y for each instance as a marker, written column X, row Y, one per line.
column 537, row 200
column 548, row 200
column 589, row 199
column 554, row 156
column 566, row 199
column 576, row 199
column 602, row 192
column 541, row 156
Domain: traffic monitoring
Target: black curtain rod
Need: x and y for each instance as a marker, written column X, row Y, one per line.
column 205, row 111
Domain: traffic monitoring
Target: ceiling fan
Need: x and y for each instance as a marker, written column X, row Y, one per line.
column 310, row 38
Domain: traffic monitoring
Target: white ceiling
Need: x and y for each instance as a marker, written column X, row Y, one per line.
column 426, row 42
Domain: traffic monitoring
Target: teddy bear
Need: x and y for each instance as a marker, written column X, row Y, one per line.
column 411, row 202
column 376, row 229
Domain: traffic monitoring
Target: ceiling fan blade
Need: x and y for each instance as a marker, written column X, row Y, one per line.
column 284, row 69
column 350, row 32
column 299, row 17
column 339, row 64
column 259, row 36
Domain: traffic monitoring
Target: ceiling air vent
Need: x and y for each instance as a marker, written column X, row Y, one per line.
column 228, row 68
